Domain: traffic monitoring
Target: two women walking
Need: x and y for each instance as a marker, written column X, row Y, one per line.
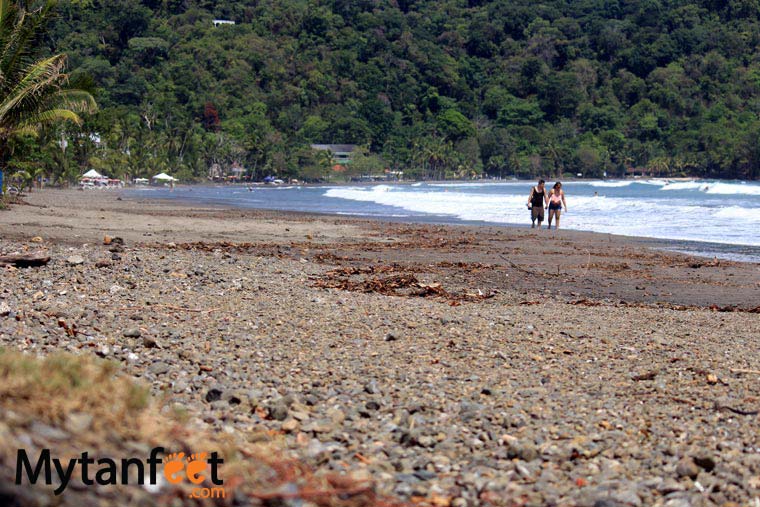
column 539, row 199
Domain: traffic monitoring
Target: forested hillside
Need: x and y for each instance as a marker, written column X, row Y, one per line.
column 432, row 87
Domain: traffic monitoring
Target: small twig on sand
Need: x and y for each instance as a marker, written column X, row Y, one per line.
column 170, row 307
column 194, row 310
column 738, row 411
column 742, row 370
column 528, row 271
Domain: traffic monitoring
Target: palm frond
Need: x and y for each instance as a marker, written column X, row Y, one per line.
column 30, row 130
column 44, row 117
column 77, row 100
column 7, row 9
column 33, row 92
column 20, row 35
column 39, row 77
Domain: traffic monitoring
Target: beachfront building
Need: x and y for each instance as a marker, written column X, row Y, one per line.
column 340, row 154
column 637, row 172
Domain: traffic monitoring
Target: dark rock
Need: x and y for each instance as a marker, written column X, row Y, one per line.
column 391, row 337
column 279, row 412
column 409, row 438
column 233, row 398
column 213, row 394
column 149, row 342
column 705, row 462
column 609, row 502
column 425, row 475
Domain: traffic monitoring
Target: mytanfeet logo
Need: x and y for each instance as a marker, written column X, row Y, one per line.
column 175, row 468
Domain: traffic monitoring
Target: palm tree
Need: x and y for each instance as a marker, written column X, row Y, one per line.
column 33, row 92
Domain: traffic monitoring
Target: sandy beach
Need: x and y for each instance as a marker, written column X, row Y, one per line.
column 450, row 365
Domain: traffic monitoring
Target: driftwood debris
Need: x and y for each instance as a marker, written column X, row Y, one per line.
column 24, row 260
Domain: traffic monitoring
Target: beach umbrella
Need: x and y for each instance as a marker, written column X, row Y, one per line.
column 163, row 177
column 92, row 173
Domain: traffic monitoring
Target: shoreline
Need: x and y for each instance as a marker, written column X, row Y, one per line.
column 625, row 268
column 449, row 365
column 733, row 251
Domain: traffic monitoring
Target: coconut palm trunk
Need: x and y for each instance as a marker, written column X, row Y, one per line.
column 34, row 91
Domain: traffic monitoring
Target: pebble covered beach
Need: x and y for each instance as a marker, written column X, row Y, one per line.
column 449, row 365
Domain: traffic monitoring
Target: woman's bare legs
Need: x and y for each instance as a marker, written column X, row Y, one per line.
column 553, row 213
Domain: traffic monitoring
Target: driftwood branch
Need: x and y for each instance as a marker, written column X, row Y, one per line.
column 24, row 260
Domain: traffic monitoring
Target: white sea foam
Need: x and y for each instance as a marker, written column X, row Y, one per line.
column 739, row 213
column 606, row 184
column 684, row 185
column 470, row 184
column 465, row 206
column 382, row 215
column 635, row 216
column 715, row 187
column 733, row 188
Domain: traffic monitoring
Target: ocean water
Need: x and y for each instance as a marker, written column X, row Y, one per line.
column 713, row 218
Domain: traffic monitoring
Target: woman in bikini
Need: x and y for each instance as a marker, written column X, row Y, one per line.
column 556, row 201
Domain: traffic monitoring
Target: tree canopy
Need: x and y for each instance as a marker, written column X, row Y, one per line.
column 437, row 88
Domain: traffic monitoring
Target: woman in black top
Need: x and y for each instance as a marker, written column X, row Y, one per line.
column 536, row 201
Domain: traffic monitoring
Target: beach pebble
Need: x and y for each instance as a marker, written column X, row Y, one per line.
column 687, row 468
column 158, row 368
column 47, row 432
column 279, row 412
column 132, row 332
column 75, row 260
column 148, row 342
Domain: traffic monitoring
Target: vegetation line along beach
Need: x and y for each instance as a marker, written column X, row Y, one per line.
column 434, row 89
